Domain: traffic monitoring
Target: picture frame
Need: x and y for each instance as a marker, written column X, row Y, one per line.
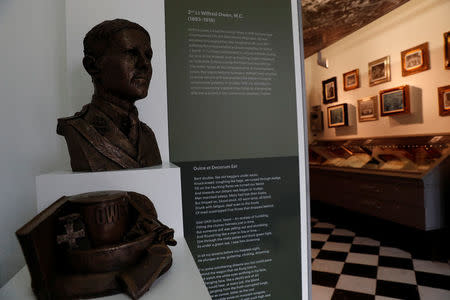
column 447, row 50
column 368, row 109
column 316, row 119
column 444, row 100
column 351, row 80
column 380, row 71
column 394, row 101
column 337, row 115
column 329, row 90
column 415, row 59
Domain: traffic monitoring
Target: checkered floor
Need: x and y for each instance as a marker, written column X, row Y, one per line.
column 346, row 266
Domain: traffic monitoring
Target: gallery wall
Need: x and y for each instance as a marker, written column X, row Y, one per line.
column 32, row 93
column 412, row 24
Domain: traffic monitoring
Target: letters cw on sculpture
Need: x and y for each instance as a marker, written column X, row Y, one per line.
column 107, row 134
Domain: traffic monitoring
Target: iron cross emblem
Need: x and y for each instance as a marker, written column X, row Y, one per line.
column 71, row 235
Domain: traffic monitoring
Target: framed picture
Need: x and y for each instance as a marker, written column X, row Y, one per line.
column 351, row 80
column 368, row 109
column 380, row 71
column 444, row 100
column 316, row 119
column 415, row 60
column 395, row 101
column 329, row 90
column 338, row 115
column 447, row 50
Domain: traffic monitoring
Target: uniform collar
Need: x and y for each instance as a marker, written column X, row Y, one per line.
column 123, row 114
column 115, row 108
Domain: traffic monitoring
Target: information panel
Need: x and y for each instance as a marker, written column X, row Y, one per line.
column 233, row 131
column 241, row 222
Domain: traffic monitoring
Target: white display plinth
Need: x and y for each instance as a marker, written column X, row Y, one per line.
column 160, row 183
column 182, row 281
column 163, row 186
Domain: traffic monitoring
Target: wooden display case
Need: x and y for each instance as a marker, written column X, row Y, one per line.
column 402, row 179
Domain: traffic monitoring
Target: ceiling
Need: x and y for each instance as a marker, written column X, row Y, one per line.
column 327, row 21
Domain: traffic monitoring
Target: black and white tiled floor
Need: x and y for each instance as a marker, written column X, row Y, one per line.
column 347, row 266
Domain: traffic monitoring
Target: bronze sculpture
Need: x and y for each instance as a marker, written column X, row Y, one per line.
column 107, row 134
column 96, row 244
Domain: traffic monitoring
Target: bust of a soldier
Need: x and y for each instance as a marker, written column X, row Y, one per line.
column 107, row 134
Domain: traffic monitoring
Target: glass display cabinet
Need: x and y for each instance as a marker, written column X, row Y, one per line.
column 404, row 179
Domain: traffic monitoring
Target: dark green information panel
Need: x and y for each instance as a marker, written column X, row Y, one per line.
column 241, row 224
column 230, row 71
column 233, row 132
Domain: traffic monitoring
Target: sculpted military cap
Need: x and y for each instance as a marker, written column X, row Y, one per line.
column 96, row 244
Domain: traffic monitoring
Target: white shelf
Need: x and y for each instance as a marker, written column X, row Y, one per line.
column 161, row 184
column 182, row 281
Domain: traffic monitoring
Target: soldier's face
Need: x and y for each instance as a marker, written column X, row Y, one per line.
column 125, row 70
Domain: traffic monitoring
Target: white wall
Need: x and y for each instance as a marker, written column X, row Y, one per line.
column 412, row 24
column 32, row 95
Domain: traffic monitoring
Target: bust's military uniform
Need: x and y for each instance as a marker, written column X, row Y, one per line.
column 105, row 136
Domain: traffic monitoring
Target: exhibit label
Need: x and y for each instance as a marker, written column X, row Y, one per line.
column 233, row 132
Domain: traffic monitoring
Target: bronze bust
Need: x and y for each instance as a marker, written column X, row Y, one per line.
column 107, row 134
column 96, row 244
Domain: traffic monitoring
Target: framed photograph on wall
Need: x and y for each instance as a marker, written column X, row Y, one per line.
column 415, row 60
column 316, row 119
column 447, row 50
column 380, row 71
column 351, row 80
column 395, row 101
column 444, row 100
column 338, row 115
column 329, row 90
column 368, row 109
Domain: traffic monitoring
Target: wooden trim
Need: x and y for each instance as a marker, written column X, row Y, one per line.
column 384, row 137
column 403, row 174
column 374, row 100
column 345, row 116
column 406, row 100
column 324, row 98
column 387, row 65
column 447, row 50
column 425, row 65
column 351, row 87
column 441, row 91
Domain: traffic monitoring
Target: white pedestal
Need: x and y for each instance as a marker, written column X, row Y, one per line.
column 182, row 281
column 162, row 185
